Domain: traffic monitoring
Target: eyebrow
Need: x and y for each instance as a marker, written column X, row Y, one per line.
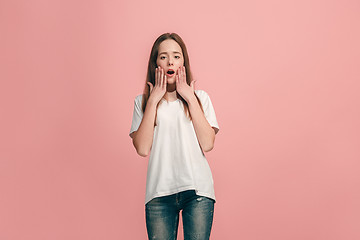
column 166, row 52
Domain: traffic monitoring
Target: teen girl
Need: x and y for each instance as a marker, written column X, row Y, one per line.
column 178, row 124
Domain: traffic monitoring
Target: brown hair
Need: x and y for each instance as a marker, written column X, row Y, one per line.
column 152, row 66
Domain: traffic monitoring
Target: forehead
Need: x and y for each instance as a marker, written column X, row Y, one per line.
column 169, row 45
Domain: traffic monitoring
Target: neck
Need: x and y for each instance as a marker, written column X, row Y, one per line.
column 170, row 94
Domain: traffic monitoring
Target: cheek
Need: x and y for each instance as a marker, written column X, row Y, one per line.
column 159, row 63
column 162, row 64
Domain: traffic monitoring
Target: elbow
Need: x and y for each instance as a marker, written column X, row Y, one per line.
column 210, row 144
column 208, row 148
column 140, row 150
column 142, row 153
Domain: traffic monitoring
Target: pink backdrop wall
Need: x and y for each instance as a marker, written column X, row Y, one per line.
column 283, row 77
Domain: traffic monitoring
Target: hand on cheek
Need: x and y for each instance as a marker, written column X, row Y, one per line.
column 186, row 91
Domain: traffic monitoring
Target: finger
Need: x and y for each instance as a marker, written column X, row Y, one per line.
column 162, row 76
column 164, row 83
column 162, row 79
column 156, row 75
column 182, row 74
column 178, row 74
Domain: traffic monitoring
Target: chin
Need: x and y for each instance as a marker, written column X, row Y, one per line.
column 171, row 81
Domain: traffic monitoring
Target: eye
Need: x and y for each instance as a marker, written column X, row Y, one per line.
column 161, row 57
column 177, row 57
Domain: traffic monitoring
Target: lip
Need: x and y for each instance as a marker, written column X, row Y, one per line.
column 170, row 75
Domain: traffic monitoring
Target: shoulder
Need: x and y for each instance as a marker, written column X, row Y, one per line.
column 138, row 98
column 201, row 94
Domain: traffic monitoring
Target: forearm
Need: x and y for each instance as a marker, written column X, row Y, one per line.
column 144, row 136
column 204, row 132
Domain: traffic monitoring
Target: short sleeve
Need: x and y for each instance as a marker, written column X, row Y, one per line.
column 209, row 111
column 137, row 114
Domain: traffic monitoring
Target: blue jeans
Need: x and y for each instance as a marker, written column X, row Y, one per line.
column 162, row 216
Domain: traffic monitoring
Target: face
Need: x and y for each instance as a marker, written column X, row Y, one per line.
column 170, row 57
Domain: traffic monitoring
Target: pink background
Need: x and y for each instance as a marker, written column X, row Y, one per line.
column 283, row 77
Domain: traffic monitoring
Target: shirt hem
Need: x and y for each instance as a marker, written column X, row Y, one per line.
column 162, row 194
column 204, row 194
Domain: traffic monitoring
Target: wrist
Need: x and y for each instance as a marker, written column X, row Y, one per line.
column 151, row 101
column 192, row 99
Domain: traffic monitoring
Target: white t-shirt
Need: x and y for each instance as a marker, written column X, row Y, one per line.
column 176, row 161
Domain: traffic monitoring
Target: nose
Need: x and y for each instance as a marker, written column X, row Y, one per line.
column 170, row 62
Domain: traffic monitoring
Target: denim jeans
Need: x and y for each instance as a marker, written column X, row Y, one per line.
column 162, row 216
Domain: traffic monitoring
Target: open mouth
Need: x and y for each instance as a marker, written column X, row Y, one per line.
column 170, row 72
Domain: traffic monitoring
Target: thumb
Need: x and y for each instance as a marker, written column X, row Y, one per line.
column 192, row 84
column 150, row 85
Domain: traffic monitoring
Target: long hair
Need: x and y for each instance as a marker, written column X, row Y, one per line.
column 152, row 66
